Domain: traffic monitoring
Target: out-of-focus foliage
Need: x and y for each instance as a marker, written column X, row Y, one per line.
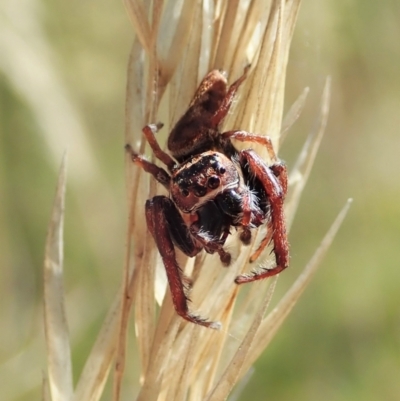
column 342, row 339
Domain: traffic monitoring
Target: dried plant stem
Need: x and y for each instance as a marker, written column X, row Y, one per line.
column 56, row 327
column 301, row 171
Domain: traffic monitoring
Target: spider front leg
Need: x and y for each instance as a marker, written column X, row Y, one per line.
column 279, row 170
column 157, row 172
column 275, row 188
column 167, row 226
column 245, row 235
column 245, row 136
column 149, row 132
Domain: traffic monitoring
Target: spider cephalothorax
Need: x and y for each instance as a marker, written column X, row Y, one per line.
column 213, row 187
column 202, row 178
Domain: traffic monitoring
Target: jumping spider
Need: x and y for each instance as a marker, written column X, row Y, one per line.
column 212, row 187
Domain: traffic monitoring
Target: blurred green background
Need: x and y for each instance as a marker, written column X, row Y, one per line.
column 62, row 84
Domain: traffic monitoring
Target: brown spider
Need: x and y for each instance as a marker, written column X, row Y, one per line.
column 213, row 186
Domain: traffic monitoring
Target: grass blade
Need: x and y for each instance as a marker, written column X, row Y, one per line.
column 56, row 327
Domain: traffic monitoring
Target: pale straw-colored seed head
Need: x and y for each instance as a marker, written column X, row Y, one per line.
column 176, row 44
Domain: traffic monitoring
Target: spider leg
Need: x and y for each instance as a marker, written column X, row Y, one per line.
column 279, row 170
column 245, row 235
column 149, row 132
column 275, row 188
column 157, row 172
column 245, row 136
column 223, row 109
column 159, row 210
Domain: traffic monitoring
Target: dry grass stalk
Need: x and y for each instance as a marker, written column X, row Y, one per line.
column 56, row 327
column 176, row 44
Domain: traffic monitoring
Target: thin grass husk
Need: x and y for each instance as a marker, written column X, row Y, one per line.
column 59, row 364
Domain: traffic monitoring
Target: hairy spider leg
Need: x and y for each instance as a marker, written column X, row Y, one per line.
column 149, row 132
column 276, row 196
column 245, row 235
column 157, row 172
column 280, row 173
column 278, row 169
column 159, row 210
column 245, row 136
column 223, row 109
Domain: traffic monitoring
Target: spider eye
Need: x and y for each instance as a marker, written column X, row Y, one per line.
column 222, row 170
column 200, row 191
column 185, row 193
column 213, row 182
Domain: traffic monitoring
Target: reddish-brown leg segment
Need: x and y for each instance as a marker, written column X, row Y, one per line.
column 276, row 195
column 245, row 136
column 245, row 235
column 157, row 172
column 227, row 102
column 149, row 132
column 157, row 210
column 279, row 171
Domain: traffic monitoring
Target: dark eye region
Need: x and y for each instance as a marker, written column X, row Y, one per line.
column 213, row 182
column 199, row 191
column 200, row 174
